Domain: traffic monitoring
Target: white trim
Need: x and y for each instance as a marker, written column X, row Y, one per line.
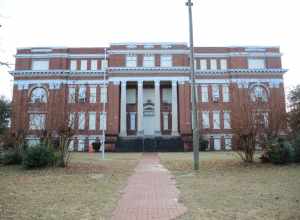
column 153, row 51
column 59, row 55
column 148, row 43
column 238, row 80
column 148, row 78
column 238, row 54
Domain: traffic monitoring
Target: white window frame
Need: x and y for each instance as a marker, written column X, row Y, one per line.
column 215, row 92
column 104, row 64
column 40, row 65
column 83, row 65
column 73, row 65
column 223, row 64
column 256, row 63
column 227, row 120
column 94, row 64
column 72, row 118
column 166, row 60
column 82, row 94
column 149, row 60
column 131, row 60
column 165, row 121
column 92, row 120
column 225, row 93
column 213, row 64
column 72, row 95
column 216, row 120
column 205, row 120
column 39, row 95
column 204, row 93
column 228, row 143
column 81, row 144
column 93, row 94
column 37, row 121
column 103, row 120
column 203, row 64
column 167, row 95
column 103, row 94
column 131, row 96
column 219, row 147
column 81, row 120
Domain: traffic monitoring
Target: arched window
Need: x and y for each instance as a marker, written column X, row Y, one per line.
column 39, row 95
column 259, row 93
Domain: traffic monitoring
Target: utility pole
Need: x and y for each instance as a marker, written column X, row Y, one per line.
column 103, row 109
column 195, row 128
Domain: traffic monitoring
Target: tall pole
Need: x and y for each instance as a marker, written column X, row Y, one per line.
column 103, row 110
column 194, row 107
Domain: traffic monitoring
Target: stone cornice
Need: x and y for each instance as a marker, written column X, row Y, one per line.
column 56, row 73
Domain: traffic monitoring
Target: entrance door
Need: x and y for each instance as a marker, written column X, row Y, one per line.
column 148, row 112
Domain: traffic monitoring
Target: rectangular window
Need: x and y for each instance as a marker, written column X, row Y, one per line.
column 103, row 94
column 103, row 121
column 40, row 64
column 94, row 64
column 215, row 93
column 92, row 120
column 72, row 95
column 104, row 64
column 131, row 96
column 216, row 119
column 213, row 64
column 195, row 64
column 203, row 64
column 205, row 120
column 149, row 61
column 167, row 96
column 204, row 93
column 166, row 120
column 73, row 65
column 254, row 63
column 223, row 64
column 71, row 145
column 166, row 61
column 132, row 120
column 227, row 143
column 81, row 144
column 71, row 122
column 81, row 120
column 37, row 121
column 83, row 65
column 226, row 118
column 217, row 143
column 93, row 94
column 225, row 91
column 82, row 94
column 131, row 61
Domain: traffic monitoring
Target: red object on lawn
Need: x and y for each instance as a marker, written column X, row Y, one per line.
column 91, row 150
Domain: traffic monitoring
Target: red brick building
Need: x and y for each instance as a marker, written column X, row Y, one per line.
column 145, row 88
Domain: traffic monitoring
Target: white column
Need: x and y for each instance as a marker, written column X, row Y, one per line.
column 140, row 106
column 157, row 107
column 174, row 109
column 123, row 119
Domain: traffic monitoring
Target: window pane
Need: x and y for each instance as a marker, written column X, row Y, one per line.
column 166, row 61
column 131, row 61
column 102, row 121
column 203, row 64
column 204, row 93
column 82, row 94
column 92, row 120
column 256, row 63
column 73, row 65
column 131, row 96
column 225, row 89
column 227, row 124
column 205, row 120
column 216, row 120
column 223, row 63
column 167, row 96
column 72, row 93
column 103, row 95
column 37, row 121
column 39, row 95
column 83, row 65
column 81, row 121
column 93, row 94
column 94, row 64
column 132, row 120
column 40, row 64
column 149, row 61
column 215, row 92
column 165, row 120
column 213, row 64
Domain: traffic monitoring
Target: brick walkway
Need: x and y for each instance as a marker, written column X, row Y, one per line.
column 151, row 193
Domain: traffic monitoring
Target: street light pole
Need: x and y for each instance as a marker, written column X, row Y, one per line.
column 194, row 107
column 104, row 110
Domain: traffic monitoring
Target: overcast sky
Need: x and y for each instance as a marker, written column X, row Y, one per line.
column 83, row 23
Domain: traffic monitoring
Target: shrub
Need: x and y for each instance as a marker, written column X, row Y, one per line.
column 296, row 146
column 11, row 157
column 96, row 146
column 203, row 144
column 38, row 156
column 279, row 151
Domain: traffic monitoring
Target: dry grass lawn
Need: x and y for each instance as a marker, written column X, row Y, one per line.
column 224, row 188
column 89, row 189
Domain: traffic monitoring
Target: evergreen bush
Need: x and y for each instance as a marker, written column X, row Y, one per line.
column 38, row 156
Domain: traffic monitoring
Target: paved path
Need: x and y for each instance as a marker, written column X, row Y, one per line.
column 151, row 193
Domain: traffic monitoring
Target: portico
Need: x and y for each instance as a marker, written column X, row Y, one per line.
column 149, row 108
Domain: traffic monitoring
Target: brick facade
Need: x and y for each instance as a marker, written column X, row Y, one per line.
column 57, row 78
